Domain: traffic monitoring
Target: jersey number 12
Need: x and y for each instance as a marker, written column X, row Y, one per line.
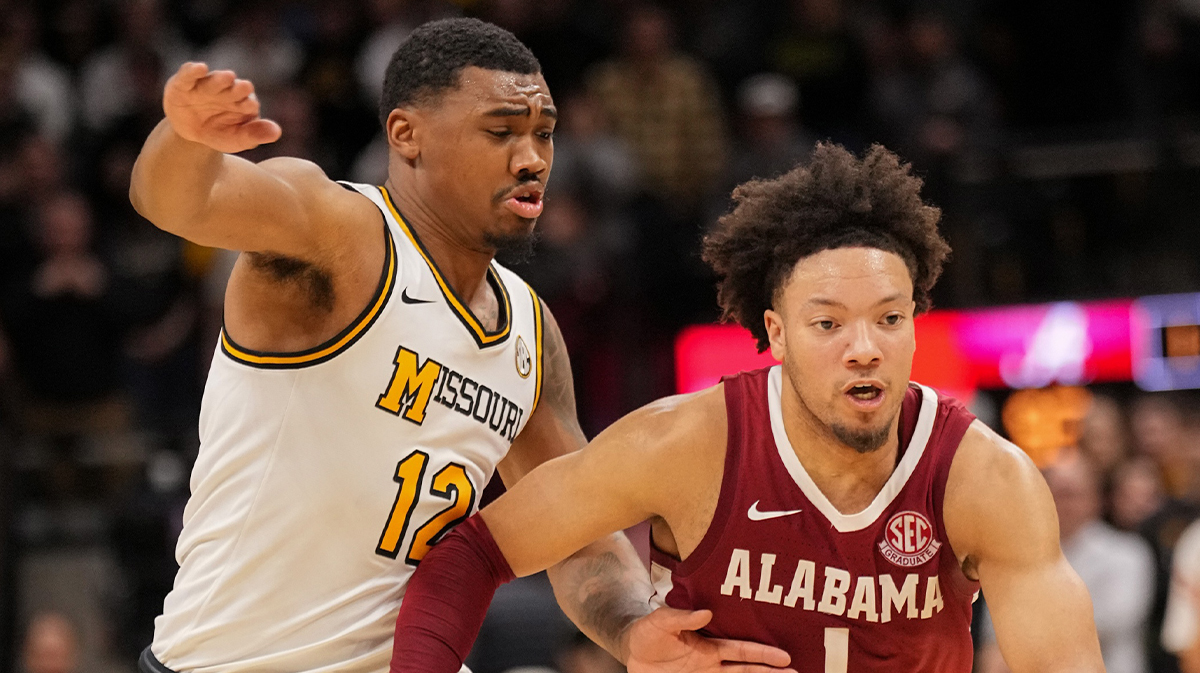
column 450, row 483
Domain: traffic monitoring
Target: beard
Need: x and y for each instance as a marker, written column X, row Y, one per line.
column 865, row 440
column 513, row 248
column 862, row 440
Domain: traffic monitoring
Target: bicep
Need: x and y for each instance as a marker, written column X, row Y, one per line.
column 1000, row 514
column 279, row 205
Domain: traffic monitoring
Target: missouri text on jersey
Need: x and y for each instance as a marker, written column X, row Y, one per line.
column 414, row 384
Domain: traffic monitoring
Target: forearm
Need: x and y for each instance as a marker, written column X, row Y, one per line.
column 173, row 180
column 603, row 588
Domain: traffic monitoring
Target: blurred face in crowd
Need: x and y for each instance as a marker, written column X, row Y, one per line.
column 1137, row 492
column 1157, row 427
column 1103, row 438
column 843, row 329
column 51, row 645
column 1076, row 491
column 648, row 34
column 482, row 153
column 66, row 225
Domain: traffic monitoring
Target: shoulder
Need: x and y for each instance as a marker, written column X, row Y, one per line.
column 324, row 198
column 996, row 499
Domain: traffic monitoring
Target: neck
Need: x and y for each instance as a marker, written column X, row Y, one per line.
column 848, row 478
column 462, row 259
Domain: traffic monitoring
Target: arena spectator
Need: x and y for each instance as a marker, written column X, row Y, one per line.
column 112, row 82
column 1181, row 624
column 817, row 48
column 256, row 47
column 665, row 105
column 1135, row 493
column 1105, row 434
column 772, row 141
column 51, row 645
column 1117, row 567
column 43, row 87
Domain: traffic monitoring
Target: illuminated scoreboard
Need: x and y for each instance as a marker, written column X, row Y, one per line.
column 1166, row 354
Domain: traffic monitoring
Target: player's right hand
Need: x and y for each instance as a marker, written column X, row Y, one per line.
column 216, row 109
column 665, row 641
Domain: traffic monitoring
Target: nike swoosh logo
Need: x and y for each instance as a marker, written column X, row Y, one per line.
column 409, row 300
column 755, row 515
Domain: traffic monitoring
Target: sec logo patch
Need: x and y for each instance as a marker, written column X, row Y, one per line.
column 524, row 360
column 908, row 540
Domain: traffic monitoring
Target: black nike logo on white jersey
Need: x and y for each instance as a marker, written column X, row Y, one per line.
column 409, row 300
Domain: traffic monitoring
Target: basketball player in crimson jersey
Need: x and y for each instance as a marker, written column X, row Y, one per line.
column 828, row 505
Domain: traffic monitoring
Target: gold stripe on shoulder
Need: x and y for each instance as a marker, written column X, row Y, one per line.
column 537, row 338
column 338, row 343
column 481, row 335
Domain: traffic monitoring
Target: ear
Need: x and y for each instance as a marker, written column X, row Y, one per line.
column 775, row 333
column 400, row 134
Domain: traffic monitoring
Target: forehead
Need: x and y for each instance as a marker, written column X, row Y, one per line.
column 480, row 90
column 849, row 276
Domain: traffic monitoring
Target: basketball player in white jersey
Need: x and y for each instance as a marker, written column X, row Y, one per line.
column 375, row 367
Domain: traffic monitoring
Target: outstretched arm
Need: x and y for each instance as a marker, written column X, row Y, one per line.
column 1000, row 515
column 187, row 181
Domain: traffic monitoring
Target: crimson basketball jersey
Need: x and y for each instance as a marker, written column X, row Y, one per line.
column 880, row 590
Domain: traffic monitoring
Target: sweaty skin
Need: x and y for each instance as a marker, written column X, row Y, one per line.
column 845, row 315
column 467, row 168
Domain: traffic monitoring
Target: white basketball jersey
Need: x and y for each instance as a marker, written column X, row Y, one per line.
column 324, row 476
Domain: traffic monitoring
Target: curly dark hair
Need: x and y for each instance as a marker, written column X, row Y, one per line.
column 430, row 60
column 836, row 201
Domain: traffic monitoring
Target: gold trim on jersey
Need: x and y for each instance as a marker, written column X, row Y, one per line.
column 333, row 346
column 482, row 337
column 537, row 338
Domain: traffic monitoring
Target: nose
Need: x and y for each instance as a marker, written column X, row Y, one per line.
column 863, row 349
column 528, row 159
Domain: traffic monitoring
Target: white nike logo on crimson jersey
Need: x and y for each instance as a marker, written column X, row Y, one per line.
column 755, row 515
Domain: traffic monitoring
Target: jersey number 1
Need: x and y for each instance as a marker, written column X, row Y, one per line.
column 837, row 650
column 450, row 483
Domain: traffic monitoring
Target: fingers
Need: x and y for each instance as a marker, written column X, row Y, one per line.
column 216, row 83
column 753, row 668
column 188, row 74
column 262, row 131
column 674, row 620
column 751, row 653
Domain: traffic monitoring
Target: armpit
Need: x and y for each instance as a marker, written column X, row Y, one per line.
column 306, row 278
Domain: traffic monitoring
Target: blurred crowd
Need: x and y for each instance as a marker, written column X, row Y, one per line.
column 1062, row 141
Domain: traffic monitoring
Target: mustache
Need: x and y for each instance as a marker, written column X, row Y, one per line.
column 521, row 182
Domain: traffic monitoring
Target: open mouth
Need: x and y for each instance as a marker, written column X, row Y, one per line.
column 525, row 203
column 865, row 392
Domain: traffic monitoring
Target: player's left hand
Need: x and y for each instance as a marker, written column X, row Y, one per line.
column 665, row 641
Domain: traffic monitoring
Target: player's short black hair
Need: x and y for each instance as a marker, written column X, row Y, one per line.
column 836, row 201
column 430, row 60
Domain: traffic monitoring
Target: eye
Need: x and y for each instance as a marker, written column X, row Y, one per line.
column 825, row 325
column 893, row 319
column 500, row 133
column 546, row 135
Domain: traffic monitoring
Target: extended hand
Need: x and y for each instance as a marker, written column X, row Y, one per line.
column 216, row 109
column 665, row 641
